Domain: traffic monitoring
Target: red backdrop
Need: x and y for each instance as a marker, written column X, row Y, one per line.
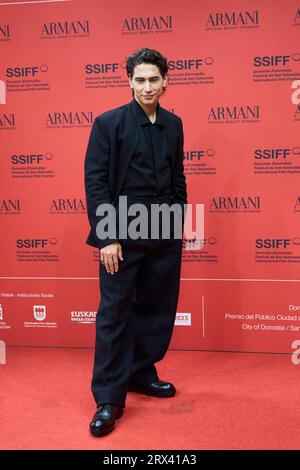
column 234, row 79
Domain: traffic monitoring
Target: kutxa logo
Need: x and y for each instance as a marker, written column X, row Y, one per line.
column 150, row 23
column 236, row 202
column 69, row 118
column 63, row 28
column 220, row 113
column 233, row 18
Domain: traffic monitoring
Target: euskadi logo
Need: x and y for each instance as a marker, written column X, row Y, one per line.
column 65, row 29
column 147, row 24
column 39, row 312
column 83, row 316
column 227, row 20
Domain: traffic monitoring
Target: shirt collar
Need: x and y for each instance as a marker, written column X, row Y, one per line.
column 142, row 117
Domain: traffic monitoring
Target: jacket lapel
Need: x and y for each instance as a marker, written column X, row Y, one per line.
column 127, row 141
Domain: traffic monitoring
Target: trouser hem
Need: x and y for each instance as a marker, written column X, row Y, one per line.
column 111, row 399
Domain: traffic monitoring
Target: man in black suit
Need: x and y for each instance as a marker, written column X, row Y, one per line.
column 135, row 150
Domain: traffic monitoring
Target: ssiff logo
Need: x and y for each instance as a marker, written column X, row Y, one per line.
column 39, row 312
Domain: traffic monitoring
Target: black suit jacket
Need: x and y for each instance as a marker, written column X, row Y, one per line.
column 111, row 144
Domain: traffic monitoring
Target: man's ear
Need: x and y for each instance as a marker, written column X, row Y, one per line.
column 130, row 81
column 164, row 84
column 165, row 81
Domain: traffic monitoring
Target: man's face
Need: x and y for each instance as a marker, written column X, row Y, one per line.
column 147, row 83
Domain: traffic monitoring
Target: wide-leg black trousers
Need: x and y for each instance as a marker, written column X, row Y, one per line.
column 136, row 315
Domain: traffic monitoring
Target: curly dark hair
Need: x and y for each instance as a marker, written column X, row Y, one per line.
column 146, row 56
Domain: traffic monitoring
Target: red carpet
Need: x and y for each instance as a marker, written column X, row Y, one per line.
column 224, row 401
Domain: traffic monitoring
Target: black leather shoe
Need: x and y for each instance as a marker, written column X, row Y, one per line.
column 103, row 421
column 156, row 389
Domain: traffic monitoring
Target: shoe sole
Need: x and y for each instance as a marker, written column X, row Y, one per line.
column 108, row 429
column 152, row 394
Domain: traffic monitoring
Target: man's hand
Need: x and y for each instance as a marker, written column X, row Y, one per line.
column 110, row 255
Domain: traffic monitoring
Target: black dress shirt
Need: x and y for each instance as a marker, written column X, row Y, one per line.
column 149, row 169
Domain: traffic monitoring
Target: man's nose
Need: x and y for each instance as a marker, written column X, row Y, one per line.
column 147, row 86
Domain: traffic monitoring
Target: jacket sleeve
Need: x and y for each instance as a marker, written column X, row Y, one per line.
column 180, row 180
column 96, row 168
